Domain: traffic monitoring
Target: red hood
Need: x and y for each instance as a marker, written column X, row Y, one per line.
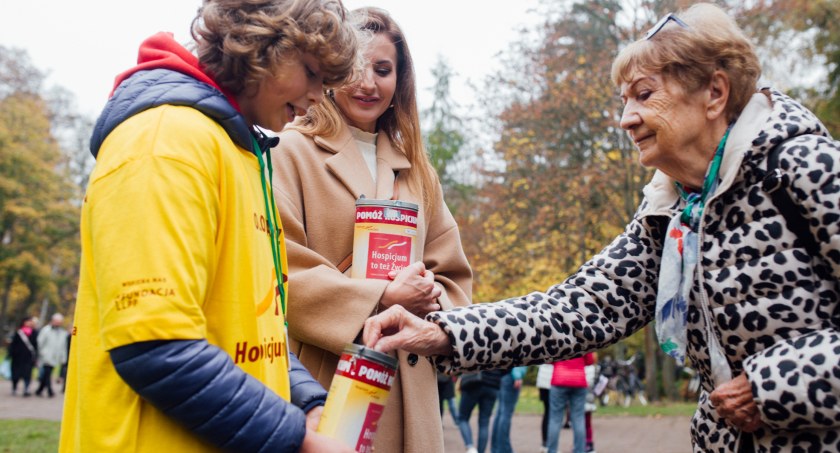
column 161, row 51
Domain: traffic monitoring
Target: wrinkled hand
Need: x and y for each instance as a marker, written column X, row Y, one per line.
column 313, row 417
column 319, row 443
column 734, row 402
column 414, row 288
column 396, row 328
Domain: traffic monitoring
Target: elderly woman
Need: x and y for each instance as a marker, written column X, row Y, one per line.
column 710, row 254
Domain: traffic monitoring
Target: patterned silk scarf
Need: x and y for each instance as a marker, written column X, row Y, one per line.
column 679, row 260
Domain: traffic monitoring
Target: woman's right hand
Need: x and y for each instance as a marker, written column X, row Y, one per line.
column 319, row 443
column 413, row 288
column 396, row 328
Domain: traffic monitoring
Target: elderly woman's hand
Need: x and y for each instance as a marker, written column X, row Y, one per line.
column 396, row 328
column 734, row 402
column 414, row 288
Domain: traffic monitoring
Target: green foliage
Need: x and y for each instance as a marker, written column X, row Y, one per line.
column 798, row 40
column 444, row 140
column 38, row 199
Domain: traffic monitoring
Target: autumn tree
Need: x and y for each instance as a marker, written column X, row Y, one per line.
column 38, row 218
column 569, row 180
column 799, row 46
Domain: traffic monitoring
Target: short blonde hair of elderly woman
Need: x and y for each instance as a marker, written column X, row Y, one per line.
column 689, row 56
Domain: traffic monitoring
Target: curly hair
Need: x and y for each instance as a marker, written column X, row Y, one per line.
column 689, row 56
column 239, row 42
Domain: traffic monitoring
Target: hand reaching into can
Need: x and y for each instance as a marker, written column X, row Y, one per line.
column 414, row 289
column 396, row 328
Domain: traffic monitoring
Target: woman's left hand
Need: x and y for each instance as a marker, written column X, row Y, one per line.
column 414, row 288
column 734, row 402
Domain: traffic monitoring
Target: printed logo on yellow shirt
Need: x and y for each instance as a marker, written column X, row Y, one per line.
column 261, row 224
column 130, row 297
column 273, row 295
column 267, row 350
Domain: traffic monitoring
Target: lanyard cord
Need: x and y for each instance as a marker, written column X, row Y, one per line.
column 271, row 214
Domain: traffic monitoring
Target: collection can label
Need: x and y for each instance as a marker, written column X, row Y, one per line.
column 357, row 396
column 384, row 237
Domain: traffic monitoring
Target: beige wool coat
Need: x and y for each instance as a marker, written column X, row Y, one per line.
column 316, row 182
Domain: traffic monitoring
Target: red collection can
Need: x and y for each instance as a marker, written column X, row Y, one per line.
column 384, row 237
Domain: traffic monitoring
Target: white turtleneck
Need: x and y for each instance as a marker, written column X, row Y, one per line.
column 367, row 145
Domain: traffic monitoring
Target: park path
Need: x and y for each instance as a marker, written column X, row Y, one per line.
column 612, row 434
column 620, row 434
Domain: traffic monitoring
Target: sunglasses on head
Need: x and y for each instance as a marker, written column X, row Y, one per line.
column 659, row 25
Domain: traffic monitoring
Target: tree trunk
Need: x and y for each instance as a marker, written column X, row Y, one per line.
column 668, row 377
column 651, row 349
column 4, row 306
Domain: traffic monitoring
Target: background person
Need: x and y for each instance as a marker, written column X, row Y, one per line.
column 509, row 387
column 568, row 391
column 23, row 351
column 591, row 372
column 63, row 372
column 750, row 301
column 179, row 341
column 544, row 373
column 446, row 394
column 52, row 352
column 365, row 140
column 480, row 389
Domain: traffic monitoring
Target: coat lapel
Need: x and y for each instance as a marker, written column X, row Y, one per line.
column 350, row 168
column 388, row 162
column 347, row 164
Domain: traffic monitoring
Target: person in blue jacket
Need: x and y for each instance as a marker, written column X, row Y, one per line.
column 509, row 388
column 179, row 340
column 478, row 389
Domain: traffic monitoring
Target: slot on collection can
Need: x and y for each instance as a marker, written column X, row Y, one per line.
column 357, row 396
column 384, row 237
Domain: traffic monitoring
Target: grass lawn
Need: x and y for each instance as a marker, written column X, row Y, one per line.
column 28, row 436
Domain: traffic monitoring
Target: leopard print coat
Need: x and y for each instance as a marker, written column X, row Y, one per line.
column 774, row 307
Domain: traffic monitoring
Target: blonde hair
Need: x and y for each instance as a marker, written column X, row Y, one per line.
column 239, row 42
column 401, row 123
column 689, row 56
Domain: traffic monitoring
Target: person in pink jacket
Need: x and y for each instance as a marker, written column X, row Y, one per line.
column 568, row 387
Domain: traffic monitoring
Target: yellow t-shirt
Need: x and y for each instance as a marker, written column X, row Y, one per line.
column 175, row 246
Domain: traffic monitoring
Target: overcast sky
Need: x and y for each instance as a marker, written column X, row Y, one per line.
column 83, row 44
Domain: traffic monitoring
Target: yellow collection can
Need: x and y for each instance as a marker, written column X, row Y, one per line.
column 357, row 396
